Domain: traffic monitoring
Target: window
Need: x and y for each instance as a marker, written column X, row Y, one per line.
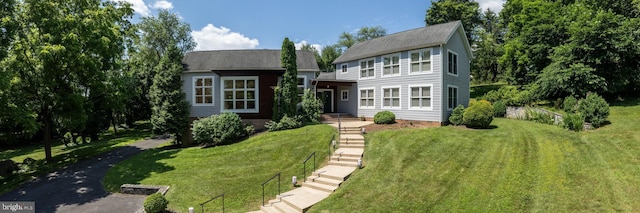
column 302, row 84
column 453, row 97
column 203, row 91
column 391, row 65
column 391, row 97
column 240, row 94
column 367, row 69
column 453, row 63
column 420, row 61
column 344, row 95
column 420, row 97
column 344, row 68
column 366, row 98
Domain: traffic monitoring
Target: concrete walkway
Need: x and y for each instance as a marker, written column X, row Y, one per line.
column 78, row 188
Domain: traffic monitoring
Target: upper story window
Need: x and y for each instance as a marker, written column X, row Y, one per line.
column 391, row 65
column 367, row 69
column 452, row 59
column 302, row 84
column 391, row 97
column 343, row 68
column 203, row 91
column 240, row 94
column 420, row 61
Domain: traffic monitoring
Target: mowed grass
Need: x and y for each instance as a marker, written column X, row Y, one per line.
column 519, row 166
column 63, row 156
column 238, row 170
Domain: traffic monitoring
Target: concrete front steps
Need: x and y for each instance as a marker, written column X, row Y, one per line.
column 325, row 180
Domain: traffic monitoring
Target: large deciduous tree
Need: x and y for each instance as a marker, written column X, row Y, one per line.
column 467, row 11
column 347, row 40
column 63, row 50
column 157, row 35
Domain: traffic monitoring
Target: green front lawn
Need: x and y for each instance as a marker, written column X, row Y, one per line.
column 63, row 156
column 198, row 174
column 518, row 166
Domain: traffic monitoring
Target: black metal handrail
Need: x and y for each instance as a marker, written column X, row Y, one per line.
column 304, row 165
column 216, row 197
column 277, row 175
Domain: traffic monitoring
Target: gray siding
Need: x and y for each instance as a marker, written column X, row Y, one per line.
column 403, row 81
column 310, row 76
column 456, row 44
column 353, row 71
column 351, row 105
column 187, row 87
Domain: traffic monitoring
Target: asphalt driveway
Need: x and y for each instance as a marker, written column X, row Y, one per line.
column 78, row 188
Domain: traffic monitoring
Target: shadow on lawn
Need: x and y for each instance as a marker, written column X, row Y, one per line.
column 140, row 167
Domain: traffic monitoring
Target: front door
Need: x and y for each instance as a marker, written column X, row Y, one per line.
column 326, row 96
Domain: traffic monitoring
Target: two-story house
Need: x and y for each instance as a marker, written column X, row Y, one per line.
column 419, row 74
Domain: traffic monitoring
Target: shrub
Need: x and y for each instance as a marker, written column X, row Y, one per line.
column 285, row 122
column 510, row 96
column 570, row 104
column 539, row 116
column 384, row 117
column 67, row 139
column 250, row 129
column 456, row 116
column 499, row 109
column 478, row 115
column 311, row 107
column 224, row 128
column 573, row 121
column 594, row 109
column 155, row 203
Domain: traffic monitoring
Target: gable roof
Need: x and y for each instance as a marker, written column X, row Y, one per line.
column 230, row 60
column 428, row 36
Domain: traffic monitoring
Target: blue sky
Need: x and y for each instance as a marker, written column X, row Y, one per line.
column 249, row 24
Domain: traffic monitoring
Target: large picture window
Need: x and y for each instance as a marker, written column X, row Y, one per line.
column 452, row 95
column 240, row 94
column 391, row 65
column 367, row 98
column 420, row 97
column 453, row 63
column 391, row 97
column 203, row 91
column 367, row 69
column 420, row 61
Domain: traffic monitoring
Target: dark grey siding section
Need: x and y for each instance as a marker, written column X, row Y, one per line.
column 351, row 104
column 456, row 44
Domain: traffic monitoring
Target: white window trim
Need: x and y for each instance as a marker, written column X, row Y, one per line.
column 450, row 108
column 305, row 83
column 399, row 65
column 342, row 92
column 360, row 98
column 257, row 94
column 193, row 90
column 430, row 95
column 457, row 63
column 346, row 70
column 399, row 97
column 360, row 68
column 430, row 59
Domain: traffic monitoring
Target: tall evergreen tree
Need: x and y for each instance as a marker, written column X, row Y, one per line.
column 169, row 106
column 286, row 95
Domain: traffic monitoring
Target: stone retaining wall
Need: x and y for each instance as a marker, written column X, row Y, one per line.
column 142, row 189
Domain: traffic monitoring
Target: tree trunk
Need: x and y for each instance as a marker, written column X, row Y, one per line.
column 114, row 121
column 47, row 135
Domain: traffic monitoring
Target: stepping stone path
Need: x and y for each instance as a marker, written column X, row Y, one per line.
column 325, row 180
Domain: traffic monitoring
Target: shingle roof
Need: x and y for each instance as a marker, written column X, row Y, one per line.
column 411, row 39
column 228, row 60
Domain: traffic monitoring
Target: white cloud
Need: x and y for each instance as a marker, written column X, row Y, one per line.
column 211, row 37
column 139, row 7
column 162, row 4
column 303, row 42
column 494, row 5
